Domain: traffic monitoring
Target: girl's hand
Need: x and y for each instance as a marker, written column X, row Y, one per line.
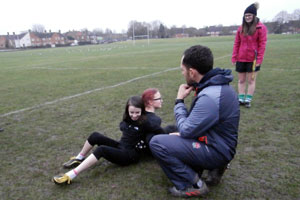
column 175, row 133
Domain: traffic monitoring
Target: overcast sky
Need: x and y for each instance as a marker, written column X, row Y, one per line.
column 64, row 15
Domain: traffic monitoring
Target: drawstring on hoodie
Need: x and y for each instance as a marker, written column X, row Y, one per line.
column 196, row 91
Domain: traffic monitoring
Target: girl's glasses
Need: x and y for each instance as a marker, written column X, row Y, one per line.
column 158, row 99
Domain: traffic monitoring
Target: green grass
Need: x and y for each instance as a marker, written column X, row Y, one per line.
column 37, row 141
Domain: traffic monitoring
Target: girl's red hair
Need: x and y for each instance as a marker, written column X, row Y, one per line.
column 148, row 95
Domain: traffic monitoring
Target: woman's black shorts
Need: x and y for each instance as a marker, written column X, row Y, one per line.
column 245, row 67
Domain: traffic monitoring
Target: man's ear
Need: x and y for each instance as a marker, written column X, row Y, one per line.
column 192, row 72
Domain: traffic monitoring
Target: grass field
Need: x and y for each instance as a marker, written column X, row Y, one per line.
column 52, row 99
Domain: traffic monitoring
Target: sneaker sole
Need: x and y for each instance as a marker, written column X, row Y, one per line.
column 57, row 183
column 72, row 165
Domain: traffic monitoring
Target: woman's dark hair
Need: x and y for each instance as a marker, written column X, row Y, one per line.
column 198, row 57
column 249, row 28
column 137, row 102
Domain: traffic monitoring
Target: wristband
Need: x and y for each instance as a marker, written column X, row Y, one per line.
column 179, row 101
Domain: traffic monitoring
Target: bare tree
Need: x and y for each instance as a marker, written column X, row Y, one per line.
column 296, row 14
column 38, row 28
column 161, row 31
column 98, row 31
column 282, row 17
column 84, row 30
column 154, row 27
column 140, row 28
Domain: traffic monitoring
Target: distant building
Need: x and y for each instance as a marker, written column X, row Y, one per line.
column 181, row 35
column 2, row 42
column 10, row 41
column 33, row 39
column 36, row 39
column 80, row 37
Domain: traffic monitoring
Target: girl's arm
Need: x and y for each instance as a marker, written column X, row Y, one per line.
column 262, row 42
column 236, row 46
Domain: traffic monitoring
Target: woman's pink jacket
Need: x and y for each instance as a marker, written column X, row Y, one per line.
column 245, row 46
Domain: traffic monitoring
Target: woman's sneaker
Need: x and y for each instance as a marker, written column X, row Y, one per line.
column 61, row 179
column 248, row 104
column 241, row 102
column 72, row 163
column 190, row 192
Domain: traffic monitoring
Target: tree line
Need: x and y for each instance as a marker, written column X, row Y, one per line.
column 283, row 22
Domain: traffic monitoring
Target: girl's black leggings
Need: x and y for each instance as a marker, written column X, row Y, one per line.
column 111, row 150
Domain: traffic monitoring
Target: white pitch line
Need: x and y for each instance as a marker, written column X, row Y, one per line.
column 91, row 68
column 84, row 93
column 91, row 91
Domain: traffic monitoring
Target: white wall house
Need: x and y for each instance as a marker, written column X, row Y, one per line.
column 25, row 41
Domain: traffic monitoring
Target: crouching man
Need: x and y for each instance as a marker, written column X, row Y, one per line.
column 207, row 133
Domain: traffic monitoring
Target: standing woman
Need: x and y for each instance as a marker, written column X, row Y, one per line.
column 248, row 53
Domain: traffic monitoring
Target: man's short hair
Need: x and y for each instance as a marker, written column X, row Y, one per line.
column 198, row 57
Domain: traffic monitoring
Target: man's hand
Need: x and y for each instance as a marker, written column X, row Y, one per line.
column 183, row 91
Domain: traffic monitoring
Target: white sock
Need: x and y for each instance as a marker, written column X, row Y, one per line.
column 72, row 174
column 80, row 156
column 199, row 183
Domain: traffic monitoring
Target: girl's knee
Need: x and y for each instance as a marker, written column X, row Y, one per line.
column 92, row 139
column 242, row 81
column 98, row 153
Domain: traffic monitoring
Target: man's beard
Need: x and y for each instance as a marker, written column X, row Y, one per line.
column 190, row 82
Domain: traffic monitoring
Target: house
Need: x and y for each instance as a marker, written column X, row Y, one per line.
column 181, row 35
column 10, row 41
column 3, row 42
column 37, row 39
column 80, row 37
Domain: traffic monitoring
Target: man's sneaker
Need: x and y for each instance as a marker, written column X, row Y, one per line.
column 61, row 179
column 215, row 175
column 248, row 104
column 190, row 192
column 73, row 162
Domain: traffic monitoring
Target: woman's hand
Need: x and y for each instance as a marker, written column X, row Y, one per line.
column 175, row 133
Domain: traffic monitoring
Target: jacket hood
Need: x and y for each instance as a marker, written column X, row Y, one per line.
column 215, row 76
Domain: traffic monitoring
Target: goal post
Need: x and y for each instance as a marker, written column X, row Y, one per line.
column 134, row 37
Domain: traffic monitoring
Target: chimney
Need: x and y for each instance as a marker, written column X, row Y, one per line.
column 14, row 33
column 7, row 33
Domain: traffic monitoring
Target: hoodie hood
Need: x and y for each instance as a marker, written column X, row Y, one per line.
column 215, row 76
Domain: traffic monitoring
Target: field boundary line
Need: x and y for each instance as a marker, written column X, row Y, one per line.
column 87, row 58
column 92, row 68
column 87, row 92
column 91, row 91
